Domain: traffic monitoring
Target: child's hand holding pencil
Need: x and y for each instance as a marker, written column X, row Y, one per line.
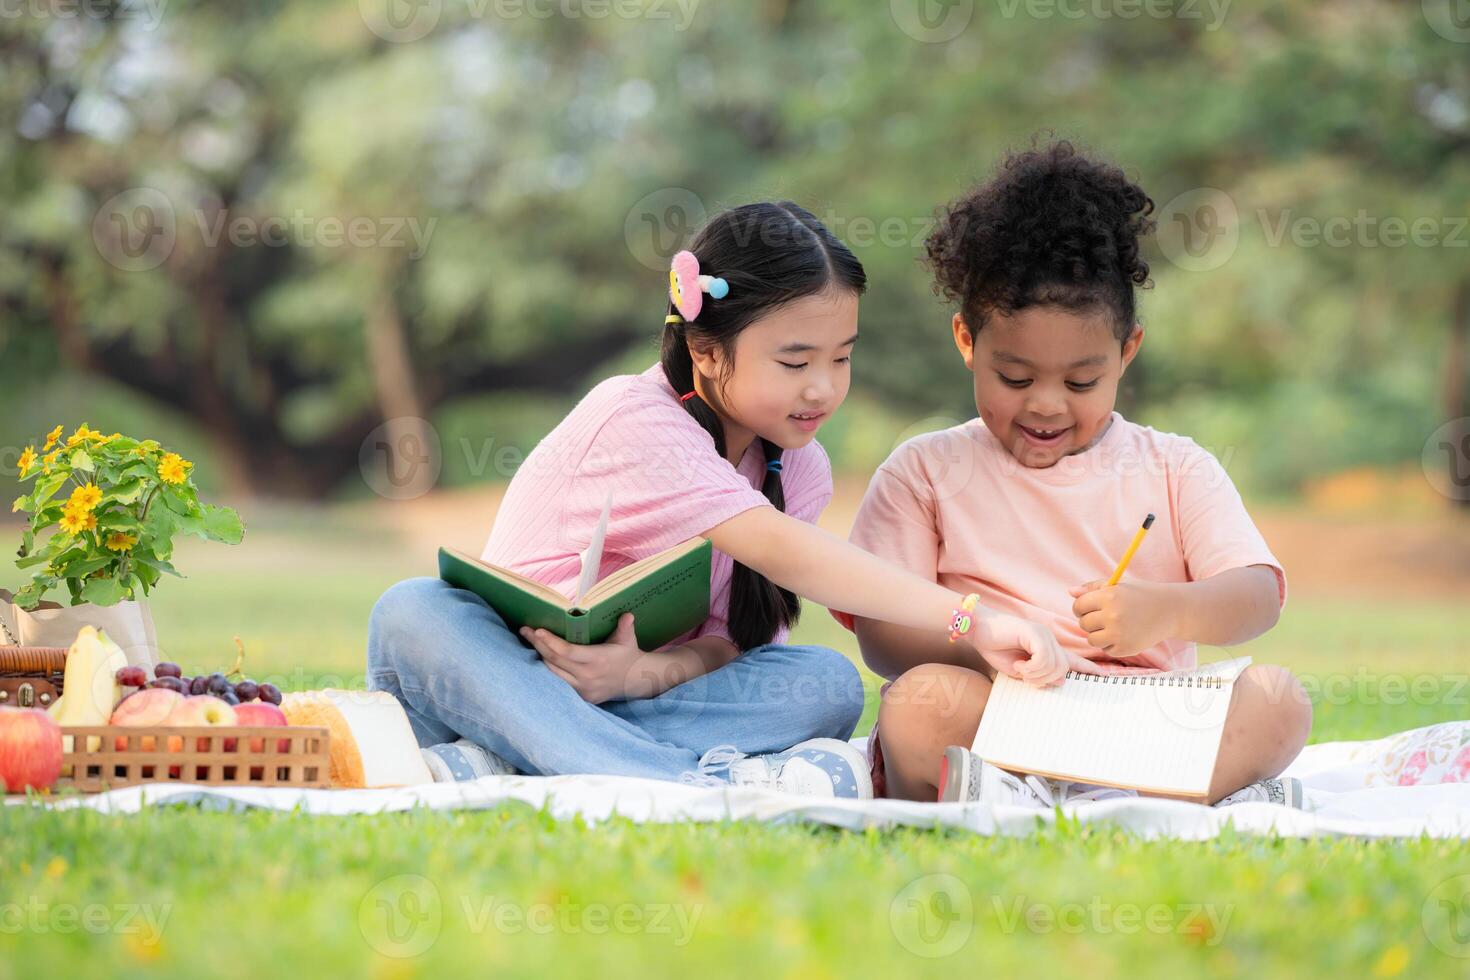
column 1123, row 620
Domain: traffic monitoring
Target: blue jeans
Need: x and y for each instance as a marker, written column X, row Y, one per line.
column 458, row 670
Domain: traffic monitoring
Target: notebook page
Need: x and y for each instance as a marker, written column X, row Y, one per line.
column 1159, row 732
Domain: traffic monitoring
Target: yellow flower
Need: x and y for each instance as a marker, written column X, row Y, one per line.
column 171, row 468
column 27, row 459
column 118, row 541
column 85, row 498
column 51, row 438
column 97, row 437
column 115, row 435
column 50, row 459
column 73, row 521
column 81, row 434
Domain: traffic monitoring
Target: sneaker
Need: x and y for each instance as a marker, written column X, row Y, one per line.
column 1281, row 791
column 966, row 778
column 457, row 762
column 822, row 767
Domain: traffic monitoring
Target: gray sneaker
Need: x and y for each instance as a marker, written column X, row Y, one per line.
column 822, row 767
column 966, row 778
column 1285, row 791
column 461, row 761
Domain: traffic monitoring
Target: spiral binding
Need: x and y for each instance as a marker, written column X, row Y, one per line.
column 1150, row 680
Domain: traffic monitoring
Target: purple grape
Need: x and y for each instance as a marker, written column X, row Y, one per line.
column 247, row 690
column 167, row 669
column 199, row 685
column 169, row 683
column 270, row 694
column 132, row 676
column 230, row 698
column 217, row 684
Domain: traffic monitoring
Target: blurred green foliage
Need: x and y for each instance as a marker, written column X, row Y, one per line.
column 174, row 190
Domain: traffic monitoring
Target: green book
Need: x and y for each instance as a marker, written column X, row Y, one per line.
column 667, row 593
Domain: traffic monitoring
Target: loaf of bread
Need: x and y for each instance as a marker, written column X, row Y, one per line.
column 372, row 743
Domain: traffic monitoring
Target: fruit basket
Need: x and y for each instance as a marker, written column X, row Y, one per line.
column 95, row 758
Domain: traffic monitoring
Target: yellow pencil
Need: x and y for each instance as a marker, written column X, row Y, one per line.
column 1128, row 555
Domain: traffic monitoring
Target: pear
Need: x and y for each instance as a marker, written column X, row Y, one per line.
column 89, row 684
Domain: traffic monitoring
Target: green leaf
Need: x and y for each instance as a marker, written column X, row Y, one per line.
column 46, row 489
column 81, row 461
column 119, row 520
column 223, row 524
column 105, row 591
column 30, row 560
column 81, row 569
column 147, row 573
column 179, row 504
column 125, row 493
column 156, row 565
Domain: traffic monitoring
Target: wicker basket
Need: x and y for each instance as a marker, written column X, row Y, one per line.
column 215, row 755
column 30, row 677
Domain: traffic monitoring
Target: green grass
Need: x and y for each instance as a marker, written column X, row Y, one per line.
column 511, row 891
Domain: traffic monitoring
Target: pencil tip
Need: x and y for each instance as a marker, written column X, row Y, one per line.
column 1148, row 521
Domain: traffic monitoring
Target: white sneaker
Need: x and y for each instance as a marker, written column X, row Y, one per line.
column 457, row 762
column 822, row 767
column 966, row 778
column 1283, row 792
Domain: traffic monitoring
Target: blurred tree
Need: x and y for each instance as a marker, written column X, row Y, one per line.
column 279, row 221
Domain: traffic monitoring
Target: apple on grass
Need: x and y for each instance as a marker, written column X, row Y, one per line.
column 259, row 713
column 30, row 749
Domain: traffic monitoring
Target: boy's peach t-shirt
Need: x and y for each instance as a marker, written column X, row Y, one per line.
column 957, row 508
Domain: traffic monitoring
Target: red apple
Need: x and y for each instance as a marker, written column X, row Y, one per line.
column 149, row 706
column 197, row 709
column 259, row 713
column 30, row 749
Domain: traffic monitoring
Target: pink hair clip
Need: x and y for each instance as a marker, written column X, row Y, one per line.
column 687, row 287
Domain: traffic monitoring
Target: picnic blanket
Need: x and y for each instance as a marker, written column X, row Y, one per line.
column 1408, row 784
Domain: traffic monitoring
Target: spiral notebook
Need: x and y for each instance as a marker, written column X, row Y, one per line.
column 1158, row 733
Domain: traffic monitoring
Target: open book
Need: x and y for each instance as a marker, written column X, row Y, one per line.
column 667, row 593
column 1159, row 733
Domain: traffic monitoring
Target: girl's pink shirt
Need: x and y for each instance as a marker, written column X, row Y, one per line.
column 631, row 436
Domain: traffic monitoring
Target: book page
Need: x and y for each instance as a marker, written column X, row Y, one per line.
column 1156, row 732
column 592, row 555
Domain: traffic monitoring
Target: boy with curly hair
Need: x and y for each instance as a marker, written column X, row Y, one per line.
column 1030, row 504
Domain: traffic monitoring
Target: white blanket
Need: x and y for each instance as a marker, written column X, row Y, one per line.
column 1391, row 787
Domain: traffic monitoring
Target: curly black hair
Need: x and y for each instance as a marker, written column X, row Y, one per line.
column 1052, row 227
